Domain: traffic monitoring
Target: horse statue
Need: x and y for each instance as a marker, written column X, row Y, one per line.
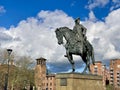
column 74, row 47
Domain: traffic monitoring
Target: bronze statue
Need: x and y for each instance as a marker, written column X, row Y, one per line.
column 80, row 32
column 76, row 43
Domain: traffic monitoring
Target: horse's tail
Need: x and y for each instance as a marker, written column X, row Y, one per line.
column 92, row 56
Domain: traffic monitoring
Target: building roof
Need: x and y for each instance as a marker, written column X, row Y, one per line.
column 41, row 58
column 116, row 59
column 50, row 75
column 98, row 62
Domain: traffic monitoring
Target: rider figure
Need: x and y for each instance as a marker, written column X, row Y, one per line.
column 80, row 33
column 79, row 28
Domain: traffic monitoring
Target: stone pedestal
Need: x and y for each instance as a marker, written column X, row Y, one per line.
column 77, row 81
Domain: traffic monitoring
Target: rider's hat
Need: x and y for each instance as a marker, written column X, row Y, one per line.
column 77, row 19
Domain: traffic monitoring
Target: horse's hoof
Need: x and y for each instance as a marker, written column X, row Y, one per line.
column 93, row 63
column 83, row 72
column 89, row 73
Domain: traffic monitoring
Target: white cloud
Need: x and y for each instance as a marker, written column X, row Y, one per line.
column 36, row 37
column 105, row 36
column 56, row 19
column 111, row 52
column 96, row 3
column 92, row 16
column 2, row 9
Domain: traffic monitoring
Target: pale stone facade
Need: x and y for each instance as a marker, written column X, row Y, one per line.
column 77, row 81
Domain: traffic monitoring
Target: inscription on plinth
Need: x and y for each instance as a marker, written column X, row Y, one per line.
column 63, row 82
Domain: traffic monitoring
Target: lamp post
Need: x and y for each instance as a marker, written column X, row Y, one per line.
column 7, row 75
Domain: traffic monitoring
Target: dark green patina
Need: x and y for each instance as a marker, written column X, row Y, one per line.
column 76, row 43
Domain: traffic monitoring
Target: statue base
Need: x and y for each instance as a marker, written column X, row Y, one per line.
column 78, row 81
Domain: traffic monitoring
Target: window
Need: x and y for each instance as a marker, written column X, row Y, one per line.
column 50, row 84
column 95, row 70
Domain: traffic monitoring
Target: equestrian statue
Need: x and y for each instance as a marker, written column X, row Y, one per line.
column 76, row 44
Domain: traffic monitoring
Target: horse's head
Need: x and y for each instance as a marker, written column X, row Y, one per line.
column 59, row 36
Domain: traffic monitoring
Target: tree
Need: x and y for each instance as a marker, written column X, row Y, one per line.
column 24, row 75
column 2, row 59
column 20, row 75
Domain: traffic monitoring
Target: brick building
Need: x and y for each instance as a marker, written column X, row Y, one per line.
column 50, row 82
column 97, row 68
column 100, row 69
column 43, row 81
column 115, row 72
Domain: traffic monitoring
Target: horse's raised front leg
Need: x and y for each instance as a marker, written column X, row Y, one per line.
column 70, row 58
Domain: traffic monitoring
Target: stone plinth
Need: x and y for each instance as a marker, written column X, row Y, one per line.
column 77, row 81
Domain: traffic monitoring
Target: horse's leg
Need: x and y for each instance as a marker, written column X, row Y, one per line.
column 88, row 61
column 92, row 56
column 84, row 71
column 70, row 58
column 87, row 66
column 84, row 59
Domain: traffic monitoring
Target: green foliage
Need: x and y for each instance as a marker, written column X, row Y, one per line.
column 109, row 87
column 20, row 75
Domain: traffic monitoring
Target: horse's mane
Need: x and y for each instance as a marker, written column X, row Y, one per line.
column 65, row 28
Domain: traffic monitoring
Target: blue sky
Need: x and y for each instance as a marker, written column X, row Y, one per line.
column 28, row 26
column 17, row 10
